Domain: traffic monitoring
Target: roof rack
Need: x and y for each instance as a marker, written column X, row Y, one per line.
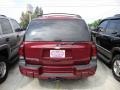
column 78, row 16
column 117, row 15
column 3, row 15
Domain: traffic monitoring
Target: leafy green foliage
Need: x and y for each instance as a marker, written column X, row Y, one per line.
column 25, row 16
column 95, row 24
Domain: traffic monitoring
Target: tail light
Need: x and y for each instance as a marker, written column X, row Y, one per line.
column 94, row 52
column 21, row 51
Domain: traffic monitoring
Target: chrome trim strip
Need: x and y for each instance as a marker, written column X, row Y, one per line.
column 103, row 48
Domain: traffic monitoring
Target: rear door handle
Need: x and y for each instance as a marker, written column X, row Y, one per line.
column 7, row 39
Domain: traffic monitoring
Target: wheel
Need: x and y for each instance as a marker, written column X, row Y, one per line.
column 3, row 69
column 116, row 67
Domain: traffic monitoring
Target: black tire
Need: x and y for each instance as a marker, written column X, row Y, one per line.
column 4, row 76
column 115, row 58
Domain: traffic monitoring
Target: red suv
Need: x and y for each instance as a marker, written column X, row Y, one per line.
column 57, row 46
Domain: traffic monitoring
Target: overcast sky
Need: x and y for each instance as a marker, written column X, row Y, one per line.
column 90, row 10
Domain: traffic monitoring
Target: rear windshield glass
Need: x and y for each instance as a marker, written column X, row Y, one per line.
column 57, row 30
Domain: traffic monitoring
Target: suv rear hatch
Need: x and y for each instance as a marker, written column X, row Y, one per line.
column 54, row 53
column 57, row 42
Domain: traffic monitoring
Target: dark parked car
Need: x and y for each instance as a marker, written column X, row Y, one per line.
column 9, row 43
column 107, row 38
column 57, row 46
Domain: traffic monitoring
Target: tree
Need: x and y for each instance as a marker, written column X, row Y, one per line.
column 25, row 16
column 38, row 12
column 94, row 24
column 24, row 20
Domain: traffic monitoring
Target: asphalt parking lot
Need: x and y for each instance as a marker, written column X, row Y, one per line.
column 102, row 80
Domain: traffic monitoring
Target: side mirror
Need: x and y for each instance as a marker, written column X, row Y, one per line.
column 100, row 29
column 95, row 30
column 19, row 30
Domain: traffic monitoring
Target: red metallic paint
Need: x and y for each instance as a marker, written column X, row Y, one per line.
column 37, row 53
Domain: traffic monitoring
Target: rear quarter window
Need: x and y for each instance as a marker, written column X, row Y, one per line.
column 52, row 30
column 103, row 24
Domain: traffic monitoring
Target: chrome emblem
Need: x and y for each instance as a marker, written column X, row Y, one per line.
column 57, row 47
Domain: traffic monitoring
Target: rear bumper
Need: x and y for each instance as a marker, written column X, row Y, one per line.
column 52, row 72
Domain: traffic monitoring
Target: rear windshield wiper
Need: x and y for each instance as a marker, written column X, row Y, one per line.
column 68, row 43
column 58, row 40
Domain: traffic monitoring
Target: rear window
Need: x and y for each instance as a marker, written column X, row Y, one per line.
column 57, row 30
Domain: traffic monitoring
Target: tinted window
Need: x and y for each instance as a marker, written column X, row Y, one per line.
column 15, row 24
column 5, row 25
column 51, row 30
column 103, row 24
column 111, row 26
column 117, row 26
